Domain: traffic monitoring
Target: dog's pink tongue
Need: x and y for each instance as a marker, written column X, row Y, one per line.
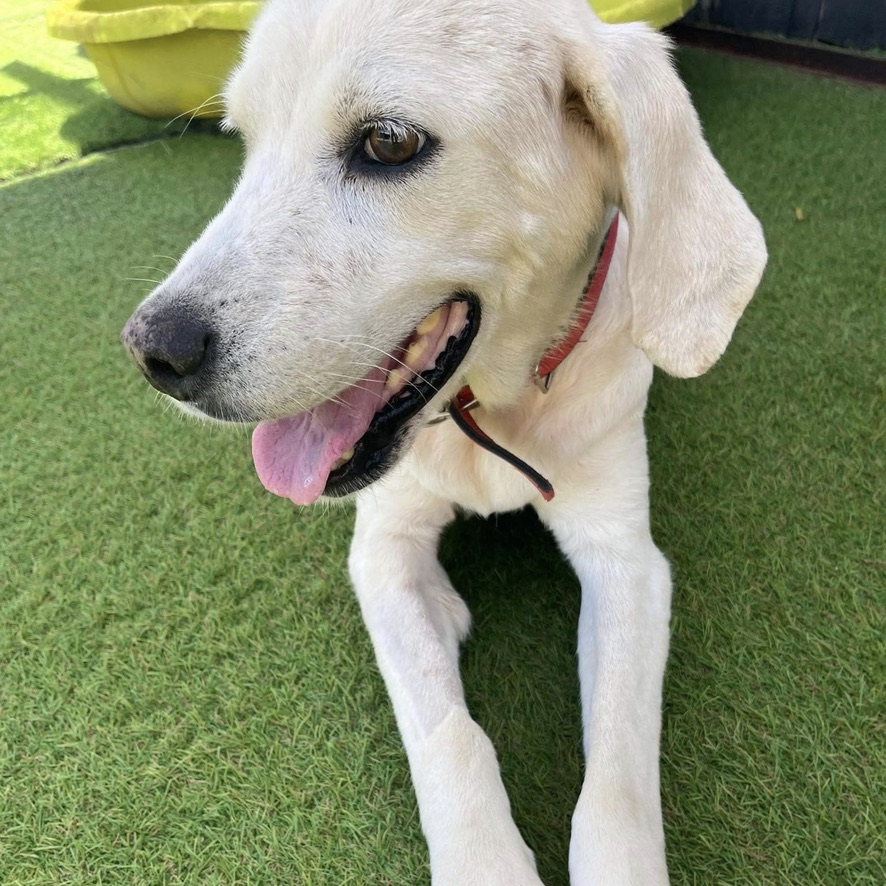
column 294, row 456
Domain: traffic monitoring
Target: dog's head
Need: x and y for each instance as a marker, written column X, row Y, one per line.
column 425, row 188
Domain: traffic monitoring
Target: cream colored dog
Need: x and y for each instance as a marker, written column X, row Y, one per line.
column 425, row 191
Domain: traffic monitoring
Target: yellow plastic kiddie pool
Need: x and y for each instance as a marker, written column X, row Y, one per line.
column 162, row 58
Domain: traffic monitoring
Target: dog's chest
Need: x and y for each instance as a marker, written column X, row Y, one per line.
column 447, row 463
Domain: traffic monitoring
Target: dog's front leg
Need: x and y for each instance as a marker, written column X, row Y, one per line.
column 416, row 622
column 617, row 834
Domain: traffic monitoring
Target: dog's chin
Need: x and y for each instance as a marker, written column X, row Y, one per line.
column 211, row 413
column 395, row 426
column 346, row 482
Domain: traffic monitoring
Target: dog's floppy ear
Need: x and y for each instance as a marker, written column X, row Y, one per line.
column 696, row 251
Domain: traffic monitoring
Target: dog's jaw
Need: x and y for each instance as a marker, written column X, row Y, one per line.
column 345, row 443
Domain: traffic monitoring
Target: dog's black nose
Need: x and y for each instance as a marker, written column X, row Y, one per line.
column 170, row 346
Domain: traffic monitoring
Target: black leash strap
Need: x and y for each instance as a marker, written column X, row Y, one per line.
column 458, row 409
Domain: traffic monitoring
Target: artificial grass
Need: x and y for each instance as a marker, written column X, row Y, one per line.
column 188, row 695
column 52, row 107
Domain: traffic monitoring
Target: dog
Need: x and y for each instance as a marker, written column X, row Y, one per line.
column 427, row 188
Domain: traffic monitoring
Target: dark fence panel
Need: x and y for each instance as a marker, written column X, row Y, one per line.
column 854, row 24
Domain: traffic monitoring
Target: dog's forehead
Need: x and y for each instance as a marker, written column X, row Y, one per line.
column 452, row 55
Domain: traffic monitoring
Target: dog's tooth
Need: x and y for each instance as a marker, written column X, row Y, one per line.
column 415, row 352
column 343, row 459
column 430, row 323
column 459, row 315
column 394, row 379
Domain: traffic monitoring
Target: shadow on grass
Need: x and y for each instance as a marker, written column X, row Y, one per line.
column 89, row 120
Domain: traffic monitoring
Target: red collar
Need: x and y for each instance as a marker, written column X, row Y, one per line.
column 464, row 400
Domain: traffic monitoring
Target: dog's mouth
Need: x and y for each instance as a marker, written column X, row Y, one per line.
column 347, row 442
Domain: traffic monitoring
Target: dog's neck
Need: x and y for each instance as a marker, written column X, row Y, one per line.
column 464, row 400
column 556, row 354
column 500, row 379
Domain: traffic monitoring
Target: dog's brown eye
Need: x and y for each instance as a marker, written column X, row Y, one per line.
column 392, row 145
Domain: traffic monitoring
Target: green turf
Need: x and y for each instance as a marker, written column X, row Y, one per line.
column 52, row 107
column 187, row 694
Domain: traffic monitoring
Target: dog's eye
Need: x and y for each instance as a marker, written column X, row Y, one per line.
column 393, row 145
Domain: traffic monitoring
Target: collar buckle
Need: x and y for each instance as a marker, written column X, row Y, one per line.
column 542, row 382
column 444, row 413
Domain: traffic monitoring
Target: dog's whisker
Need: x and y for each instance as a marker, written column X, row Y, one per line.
column 351, row 381
column 356, row 383
column 411, row 383
column 312, row 387
column 382, row 351
column 212, row 102
column 149, row 268
column 142, row 280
